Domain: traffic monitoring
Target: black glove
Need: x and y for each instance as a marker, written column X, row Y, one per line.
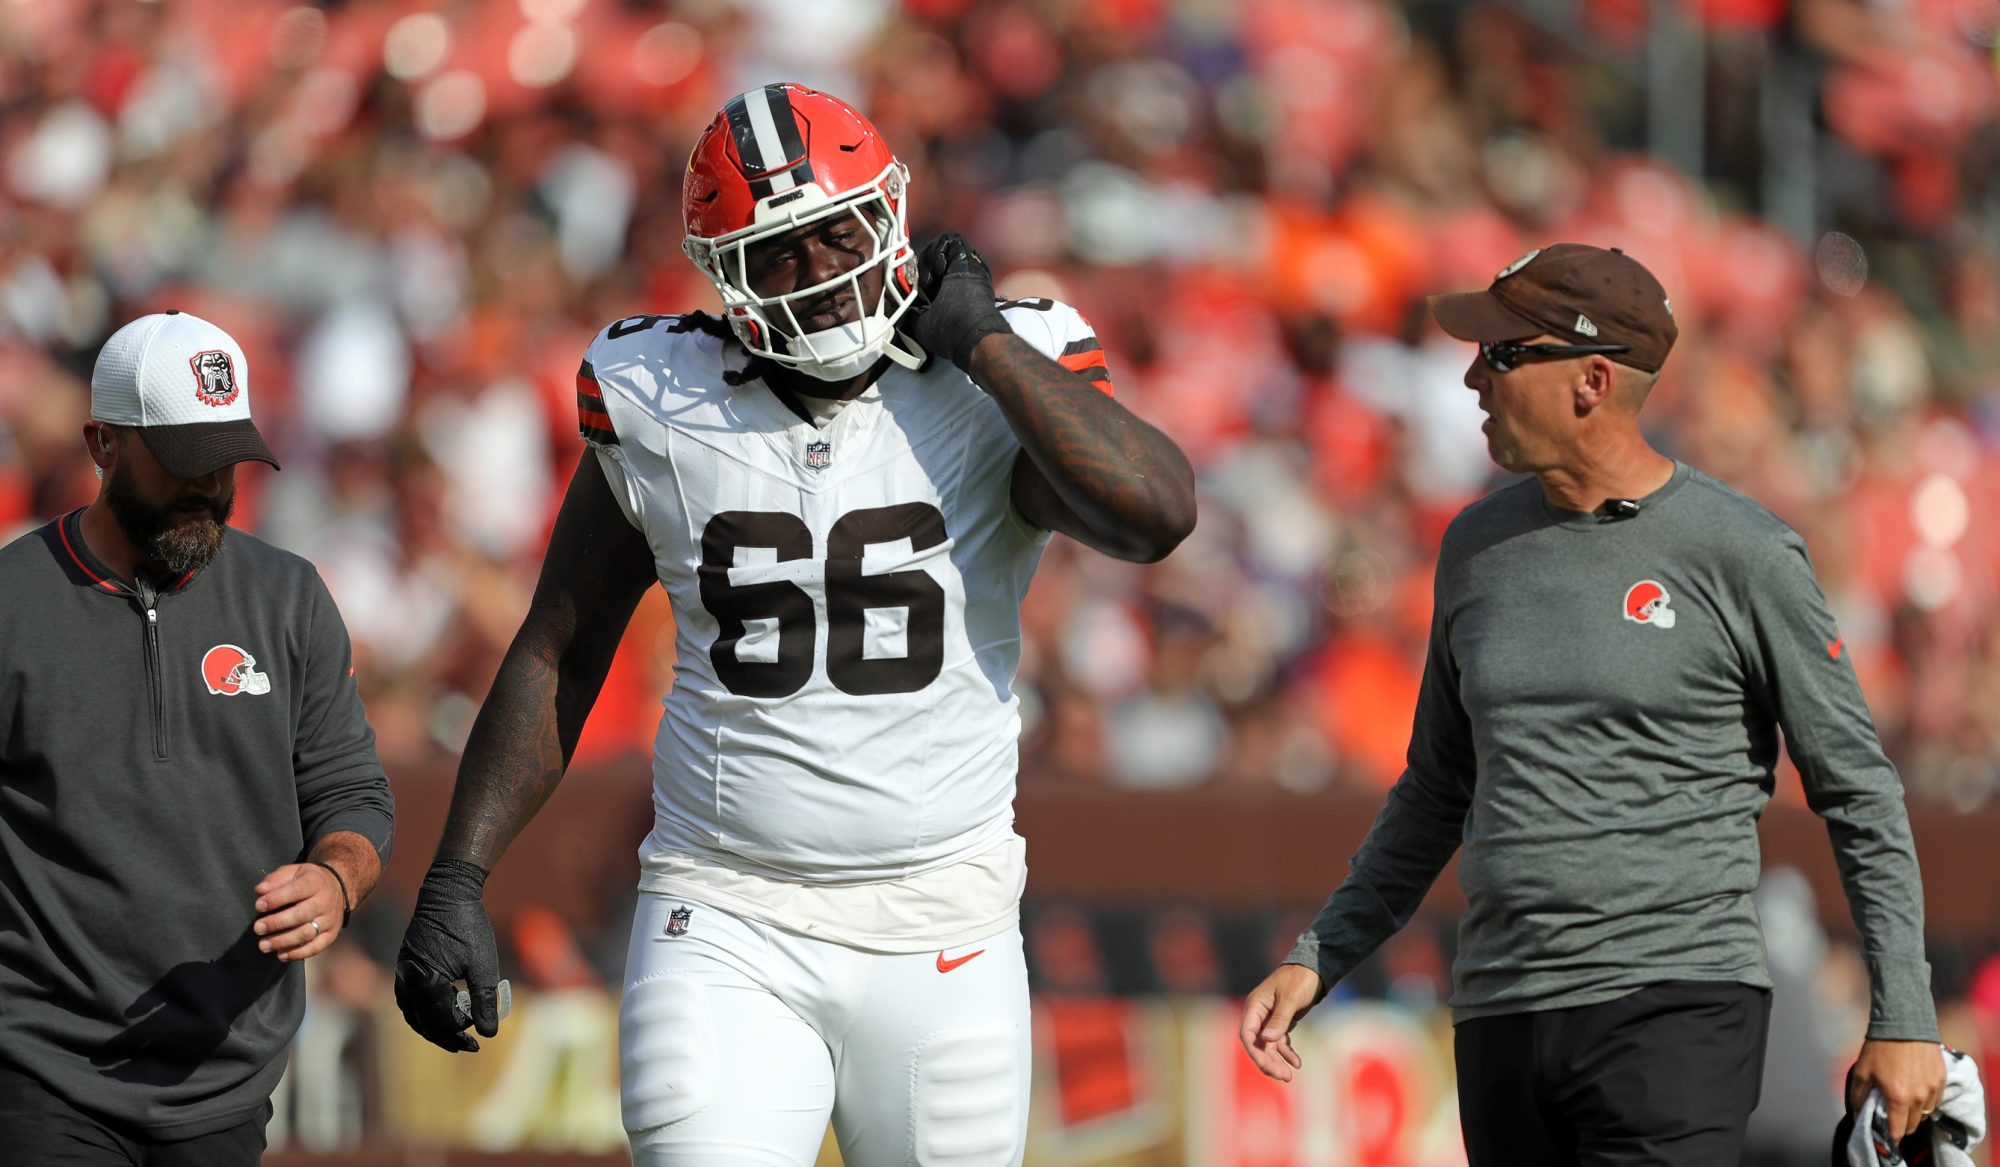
column 449, row 939
column 954, row 307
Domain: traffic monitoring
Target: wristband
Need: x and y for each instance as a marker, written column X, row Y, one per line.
column 346, row 898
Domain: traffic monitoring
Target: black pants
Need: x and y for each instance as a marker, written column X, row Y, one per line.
column 38, row 1129
column 1667, row 1075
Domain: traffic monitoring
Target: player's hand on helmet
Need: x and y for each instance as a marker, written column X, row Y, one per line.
column 955, row 307
column 449, row 939
column 1270, row 1012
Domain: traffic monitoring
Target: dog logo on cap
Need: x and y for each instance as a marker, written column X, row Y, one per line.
column 1646, row 602
column 228, row 671
column 214, row 377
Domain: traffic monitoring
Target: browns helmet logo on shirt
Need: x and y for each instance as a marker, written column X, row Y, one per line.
column 1647, row 602
column 228, row 671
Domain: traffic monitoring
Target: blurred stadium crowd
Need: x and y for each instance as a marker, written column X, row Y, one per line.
column 414, row 215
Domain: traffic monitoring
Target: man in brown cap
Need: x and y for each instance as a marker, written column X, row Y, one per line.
column 1616, row 643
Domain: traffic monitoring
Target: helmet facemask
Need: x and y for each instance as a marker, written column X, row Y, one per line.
column 769, row 326
column 247, row 678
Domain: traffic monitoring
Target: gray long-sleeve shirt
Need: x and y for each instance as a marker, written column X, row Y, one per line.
column 149, row 777
column 1603, row 754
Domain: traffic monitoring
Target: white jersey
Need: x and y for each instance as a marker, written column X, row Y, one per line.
column 847, row 606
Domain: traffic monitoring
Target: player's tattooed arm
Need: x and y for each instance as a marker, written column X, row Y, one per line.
column 597, row 569
column 1089, row 467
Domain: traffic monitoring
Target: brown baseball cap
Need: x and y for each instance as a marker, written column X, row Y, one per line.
column 1575, row 292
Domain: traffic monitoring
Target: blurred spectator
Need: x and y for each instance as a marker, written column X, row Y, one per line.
column 1798, row 1104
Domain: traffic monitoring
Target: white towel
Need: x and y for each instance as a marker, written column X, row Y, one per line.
column 1948, row 1135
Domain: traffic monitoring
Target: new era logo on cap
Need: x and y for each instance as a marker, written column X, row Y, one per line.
column 183, row 384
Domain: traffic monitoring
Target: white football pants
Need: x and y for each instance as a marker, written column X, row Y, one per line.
column 737, row 1042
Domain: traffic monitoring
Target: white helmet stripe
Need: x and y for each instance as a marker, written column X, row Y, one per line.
column 770, row 144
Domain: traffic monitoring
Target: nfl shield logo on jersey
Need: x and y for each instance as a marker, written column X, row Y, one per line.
column 677, row 921
column 819, row 455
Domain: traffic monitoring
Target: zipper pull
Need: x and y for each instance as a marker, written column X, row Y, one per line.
column 152, row 616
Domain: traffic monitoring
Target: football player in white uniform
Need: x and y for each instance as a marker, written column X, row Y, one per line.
column 844, row 482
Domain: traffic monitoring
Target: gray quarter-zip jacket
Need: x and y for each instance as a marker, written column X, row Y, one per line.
column 162, row 747
column 1598, row 729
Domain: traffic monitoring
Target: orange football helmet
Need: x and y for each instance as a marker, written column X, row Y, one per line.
column 778, row 158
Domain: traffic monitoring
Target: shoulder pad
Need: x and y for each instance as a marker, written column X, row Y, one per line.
column 617, row 345
column 1060, row 332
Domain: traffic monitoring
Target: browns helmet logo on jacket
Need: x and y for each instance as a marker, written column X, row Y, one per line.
column 229, row 671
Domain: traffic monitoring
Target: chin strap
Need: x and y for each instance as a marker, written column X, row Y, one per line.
column 906, row 352
column 898, row 347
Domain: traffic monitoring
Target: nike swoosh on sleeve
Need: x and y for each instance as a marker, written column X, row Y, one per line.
column 1833, row 650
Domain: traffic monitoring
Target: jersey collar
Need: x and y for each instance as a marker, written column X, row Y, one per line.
column 1591, row 521
column 790, row 400
column 88, row 570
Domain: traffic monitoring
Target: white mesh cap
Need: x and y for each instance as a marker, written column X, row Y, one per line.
column 184, row 385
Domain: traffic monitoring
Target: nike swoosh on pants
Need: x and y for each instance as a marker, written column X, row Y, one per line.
column 945, row 966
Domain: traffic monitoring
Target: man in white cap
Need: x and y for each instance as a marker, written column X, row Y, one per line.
column 190, row 799
column 179, row 385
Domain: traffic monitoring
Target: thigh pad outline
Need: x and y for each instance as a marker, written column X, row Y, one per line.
column 667, row 1057
column 965, row 1108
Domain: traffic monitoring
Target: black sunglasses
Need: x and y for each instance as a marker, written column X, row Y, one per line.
column 1504, row 355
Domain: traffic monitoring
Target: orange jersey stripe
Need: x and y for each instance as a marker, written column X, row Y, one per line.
column 593, row 419
column 1091, row 365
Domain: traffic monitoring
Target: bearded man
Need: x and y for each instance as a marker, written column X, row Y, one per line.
column 190, row 799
